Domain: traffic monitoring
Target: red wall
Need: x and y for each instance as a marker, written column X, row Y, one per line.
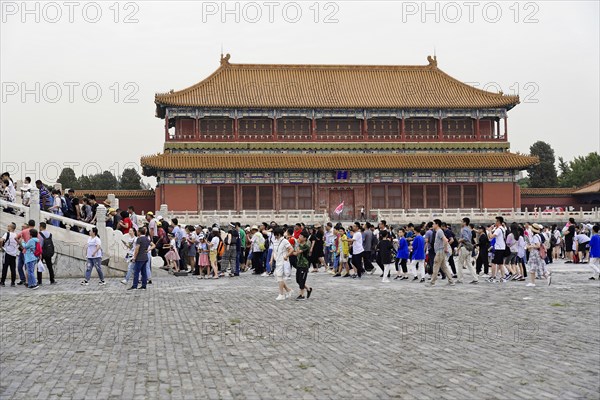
column 180, row 197
column 500, row 195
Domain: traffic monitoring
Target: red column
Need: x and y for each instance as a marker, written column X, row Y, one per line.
column 235, row 129
column 440, row 133
column 166, row 128
column 402, row 130
column 365, row 130
column 197, row 129
column 477, row 134
column 274, row 129
column 313, row 129
column 505, row 128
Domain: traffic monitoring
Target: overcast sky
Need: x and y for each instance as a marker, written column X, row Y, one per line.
column 548, row 52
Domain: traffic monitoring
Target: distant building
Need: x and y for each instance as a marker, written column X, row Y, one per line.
column 277, row 137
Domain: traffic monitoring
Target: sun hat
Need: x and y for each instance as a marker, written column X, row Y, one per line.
column 201, row 236
column 536, row 228
column 254, row 227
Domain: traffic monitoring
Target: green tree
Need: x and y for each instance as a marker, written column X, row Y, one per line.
column 83, row 182
column 104, row 181
column 68, row 179
column 130, row 180
column 580, row 171
column 542, row 174
column 523, row 182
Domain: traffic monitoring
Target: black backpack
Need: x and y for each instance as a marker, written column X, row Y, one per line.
column 48, row 247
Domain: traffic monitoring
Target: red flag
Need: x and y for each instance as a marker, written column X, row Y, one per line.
column 339, row 208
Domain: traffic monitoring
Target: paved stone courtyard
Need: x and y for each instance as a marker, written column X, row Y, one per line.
column 354, row 339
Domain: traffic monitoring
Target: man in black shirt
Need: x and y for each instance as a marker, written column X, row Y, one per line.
column 140, row 256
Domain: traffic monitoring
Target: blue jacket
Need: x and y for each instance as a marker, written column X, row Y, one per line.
column 402, row 249
column 30, row 248
column 595, row 246
column 418, row 248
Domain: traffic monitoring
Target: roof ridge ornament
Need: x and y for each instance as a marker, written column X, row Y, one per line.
column 225, row 60
column 432, row 61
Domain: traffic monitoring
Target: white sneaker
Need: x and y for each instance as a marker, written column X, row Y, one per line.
column 264, row 274
column 85, row 283
column 280, row 297
column 289, row 294
column 101, row 283
column 124, row 282
column 530, row 284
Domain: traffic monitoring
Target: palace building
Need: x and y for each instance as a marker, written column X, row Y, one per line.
column 309, row 137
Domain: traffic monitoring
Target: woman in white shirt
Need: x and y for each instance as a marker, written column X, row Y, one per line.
column 94, row 257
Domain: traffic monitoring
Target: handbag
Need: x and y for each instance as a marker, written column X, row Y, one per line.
column 41, row 267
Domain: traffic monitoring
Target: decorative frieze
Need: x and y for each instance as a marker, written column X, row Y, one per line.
column 340, row 176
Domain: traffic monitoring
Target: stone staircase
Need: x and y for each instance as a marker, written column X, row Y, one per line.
column 70, row 245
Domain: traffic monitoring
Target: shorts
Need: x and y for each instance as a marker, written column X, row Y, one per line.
column 279, row 270
column 213, row 256
column 582, row 247
column 343, row 258
column 511, row 259
column 498, row 257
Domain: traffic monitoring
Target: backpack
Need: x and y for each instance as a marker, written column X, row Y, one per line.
column 221, row 248
column 64, row 207
column 553, row 240
column 48, row 247
column 543, row 252
column 38, row 250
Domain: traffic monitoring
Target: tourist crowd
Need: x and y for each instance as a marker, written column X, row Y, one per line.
column 424, row 252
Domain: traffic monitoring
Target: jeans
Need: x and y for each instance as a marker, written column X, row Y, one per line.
column 130, row 269
column 140, row 268
column 268, row 260
column 328, row 254
column 21, row 263
column 94, row 263
column 31, row 267
column 149, row 268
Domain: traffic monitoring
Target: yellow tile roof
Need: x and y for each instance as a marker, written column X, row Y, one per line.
column 345, row 161
column 333, row 86
column 102, row 194
column 546, row 191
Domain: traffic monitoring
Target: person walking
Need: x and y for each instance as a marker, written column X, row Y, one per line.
column 282, row 250
column 303, row 265
column 385, row 254
column 441, row 248
column 464, row 253
column 94, row 258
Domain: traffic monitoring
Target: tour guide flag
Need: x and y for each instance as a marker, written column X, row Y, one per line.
column 339, row 208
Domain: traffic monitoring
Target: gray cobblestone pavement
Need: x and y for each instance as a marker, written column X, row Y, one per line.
column 354, row 339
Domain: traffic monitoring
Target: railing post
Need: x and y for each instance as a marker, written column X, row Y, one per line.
column 34, row 207
column 163, row 211
column 102, row 231
column 580, row 212
column 112, row 201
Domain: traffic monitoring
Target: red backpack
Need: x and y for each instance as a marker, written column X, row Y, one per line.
column 38, row 250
